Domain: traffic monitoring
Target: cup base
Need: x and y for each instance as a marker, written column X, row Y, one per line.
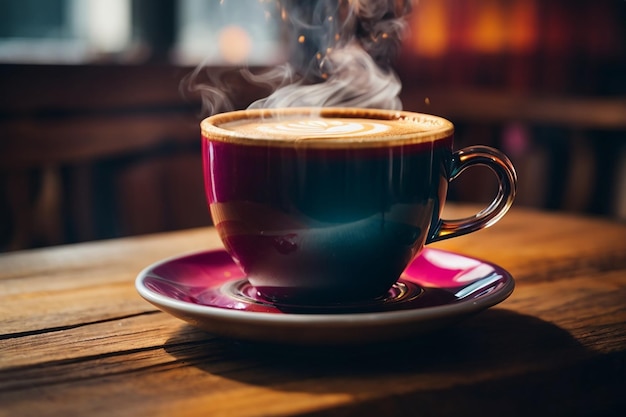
column 401, row 292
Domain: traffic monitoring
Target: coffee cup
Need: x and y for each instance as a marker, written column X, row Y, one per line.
column 330, row 205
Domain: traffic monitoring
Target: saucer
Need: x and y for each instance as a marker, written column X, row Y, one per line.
column 208, row 290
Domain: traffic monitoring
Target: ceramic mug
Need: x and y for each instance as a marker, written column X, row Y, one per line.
column 330, row 205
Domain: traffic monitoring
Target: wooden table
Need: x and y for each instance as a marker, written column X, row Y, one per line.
column 76, row 338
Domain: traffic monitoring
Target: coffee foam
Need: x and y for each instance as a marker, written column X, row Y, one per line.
column 322, row 127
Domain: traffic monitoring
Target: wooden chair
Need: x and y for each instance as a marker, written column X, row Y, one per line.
column 90, row 152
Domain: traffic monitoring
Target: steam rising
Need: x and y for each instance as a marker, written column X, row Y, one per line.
column 340, row 56
column 354, row 81
column 215, row 93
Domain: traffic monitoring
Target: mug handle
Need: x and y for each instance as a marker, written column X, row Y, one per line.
column 502, row 167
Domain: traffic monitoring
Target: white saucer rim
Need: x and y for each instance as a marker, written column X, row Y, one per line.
column 422, row 314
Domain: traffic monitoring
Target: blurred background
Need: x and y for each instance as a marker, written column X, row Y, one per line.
column 99, row 139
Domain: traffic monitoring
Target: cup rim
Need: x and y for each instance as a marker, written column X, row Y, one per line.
column 437, row 127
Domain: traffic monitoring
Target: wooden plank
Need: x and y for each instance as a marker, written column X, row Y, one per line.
column 493, row 106
column 55, row 87
column 88, row 341
column 70, row 285
column 60, row 89
column 39, row 142
column 73, row 263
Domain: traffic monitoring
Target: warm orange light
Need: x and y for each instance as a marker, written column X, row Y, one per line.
column 429, row 28
column 488, row 30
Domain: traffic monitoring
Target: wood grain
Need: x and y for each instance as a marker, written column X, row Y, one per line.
column 76, row 339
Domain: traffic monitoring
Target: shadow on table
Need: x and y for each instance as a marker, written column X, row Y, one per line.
column 498, row 361
column 492, row 338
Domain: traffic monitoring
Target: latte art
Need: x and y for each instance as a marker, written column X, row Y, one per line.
column 323, row 127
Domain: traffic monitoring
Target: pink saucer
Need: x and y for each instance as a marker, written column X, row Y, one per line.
column 209, row 291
